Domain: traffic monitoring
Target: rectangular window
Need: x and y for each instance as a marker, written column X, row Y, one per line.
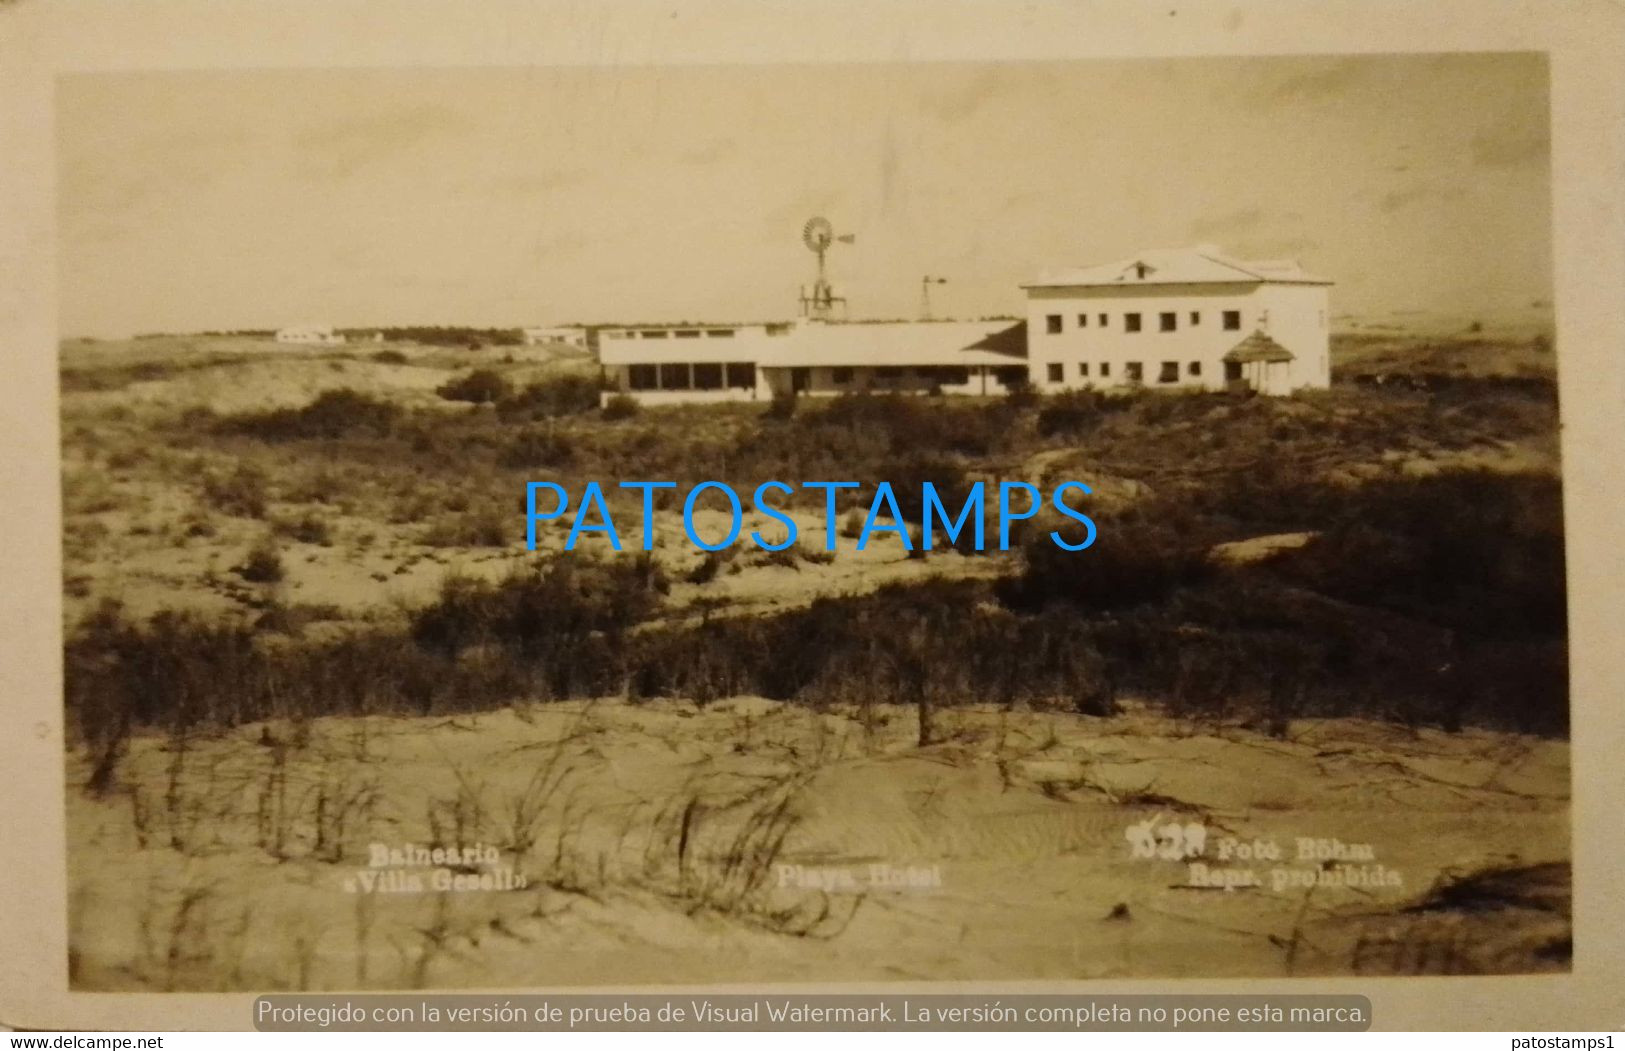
column 1055, row 372
column 1011, row 375
column 1196, row 317
column 1133, row 373
column 688, row 333
column 1083, row 368
column 1131, row 322
column 1169, row 372
column 720, row 333
column 642, row 377
column 1105, row 369
column 777, row 329
column 1083, row 320
column 949, row 375
column 707, row 375
column 1168, row 321
column 654, row 333
column 742, row 374
column 1052, row 324
column 1232, row 320
column 889, row 372
column 1103, row 321
column 840, row 375
column 1194, row 368
column 674, row 377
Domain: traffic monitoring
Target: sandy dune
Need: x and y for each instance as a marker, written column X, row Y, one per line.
column 665, row 843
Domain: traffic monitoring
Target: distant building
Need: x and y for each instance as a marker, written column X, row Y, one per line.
column 320, row 335
column 1177, row 318
column 570, row 335
column 661, row 365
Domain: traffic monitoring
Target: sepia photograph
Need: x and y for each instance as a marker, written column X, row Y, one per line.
column 851, row 522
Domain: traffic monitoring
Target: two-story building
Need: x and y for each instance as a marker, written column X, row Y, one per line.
column 1173, row 318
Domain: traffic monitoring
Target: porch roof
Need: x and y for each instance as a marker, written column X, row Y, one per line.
column 919, row 344
column 1258, row 347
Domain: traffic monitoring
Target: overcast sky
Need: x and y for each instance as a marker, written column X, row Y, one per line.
column 216, row 200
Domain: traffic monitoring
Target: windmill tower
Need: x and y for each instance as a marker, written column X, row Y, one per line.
column 819, row 301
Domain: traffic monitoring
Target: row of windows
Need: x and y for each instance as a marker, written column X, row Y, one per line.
column 699, row 375
column 1133, row 371
column 1167, row 321
column 776, row 329
column 663, row 333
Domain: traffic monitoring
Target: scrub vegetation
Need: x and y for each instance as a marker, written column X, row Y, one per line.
column 301, row 619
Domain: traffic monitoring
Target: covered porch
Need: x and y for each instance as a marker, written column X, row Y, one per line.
column 1259, row 363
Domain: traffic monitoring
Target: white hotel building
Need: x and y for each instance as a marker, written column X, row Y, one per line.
column 662, row 365
column 1174, row 319
column 1179, row 318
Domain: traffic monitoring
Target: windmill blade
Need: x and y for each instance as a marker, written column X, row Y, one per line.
column 847, row 239
column 817, row 233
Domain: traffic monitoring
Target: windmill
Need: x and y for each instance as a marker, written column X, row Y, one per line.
column 818, row 235
column 925, row 294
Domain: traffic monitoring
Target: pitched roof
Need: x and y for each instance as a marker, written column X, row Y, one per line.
column 924, row 343
column 1257, row 347
column 1198, row 265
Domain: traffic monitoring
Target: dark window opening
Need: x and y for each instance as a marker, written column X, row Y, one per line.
column 1168, row 321
column 1131, row 322
column 654, row 333
column 674, row 377
column 707, row 375
column 840, row 375
column 642, row 377
column 1083, row 368
column 742, row 374
column 1169, row 372
column 1196, row 317
column 889, row 372
column 1052, row 324
column 719, row 333
column 1105, row 368
column 1232, row 320
column 1194, row 368
column 688, row 333
column 1232, row 370
column 949, row 375
column 1055, row 372
column 1083, row 320
column 1103, row 321
column 1133, row 372
column 1010, row 375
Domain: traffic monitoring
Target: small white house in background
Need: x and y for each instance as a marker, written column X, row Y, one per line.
column 1184, row 317
column 698, row 363
column 570, row 335
column 318, row 335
